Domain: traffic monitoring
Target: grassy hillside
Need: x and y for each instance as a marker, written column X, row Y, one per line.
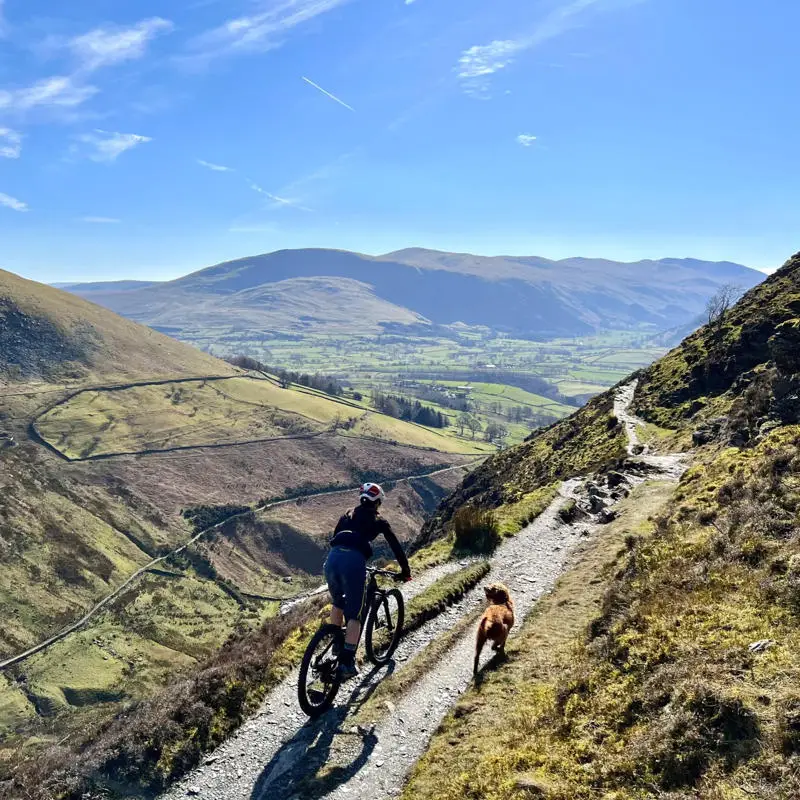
column 673, row 671
column 205, row 412
column 46, row 332
column 591, row 439
column 72, row 533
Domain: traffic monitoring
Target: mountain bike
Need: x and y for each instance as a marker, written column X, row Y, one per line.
column 319, row 679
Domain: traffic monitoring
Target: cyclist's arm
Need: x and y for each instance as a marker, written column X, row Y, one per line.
column 397, row 549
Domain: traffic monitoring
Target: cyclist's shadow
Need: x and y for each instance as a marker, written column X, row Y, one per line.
column 294, row 769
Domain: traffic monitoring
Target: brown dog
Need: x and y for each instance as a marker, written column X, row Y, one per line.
column 496, row 622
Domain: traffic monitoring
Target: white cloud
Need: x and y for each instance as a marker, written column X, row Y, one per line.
column 328, row 94
column 214, row 167
column 103, row 47
column 101, row 220
column 478, row 63
column 59, row 90
column 10, row 143
column 526, row 140
column 107, row 146
column 11, row 202
column 487, row 59
column 260, row 31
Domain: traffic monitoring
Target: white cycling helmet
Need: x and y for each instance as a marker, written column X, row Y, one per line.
column 372, row 492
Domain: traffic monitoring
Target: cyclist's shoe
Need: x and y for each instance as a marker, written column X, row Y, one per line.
column 346, row 670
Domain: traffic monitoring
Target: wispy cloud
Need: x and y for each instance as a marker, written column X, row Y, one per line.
column 103, row 47
column 277, row 201
column 327, row 93
column 264, row 30
column 214, row 167
column 10, row 143
column 478, row 63
column 11, row 202
column 60, row 91
column 107, row 146
column 101, row 220
column 526, row 140
column 92, row 51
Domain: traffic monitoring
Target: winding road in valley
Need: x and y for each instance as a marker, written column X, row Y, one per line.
column 278, row 753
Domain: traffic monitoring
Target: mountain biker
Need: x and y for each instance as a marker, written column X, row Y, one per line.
column 346, row 567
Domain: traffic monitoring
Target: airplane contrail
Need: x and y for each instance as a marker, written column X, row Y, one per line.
column 327, row 93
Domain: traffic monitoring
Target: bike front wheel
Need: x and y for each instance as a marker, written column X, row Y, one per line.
column 384, row 626
column 319, row 680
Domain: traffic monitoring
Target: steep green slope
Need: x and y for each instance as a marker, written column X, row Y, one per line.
column 681, row 682
column 759, row 333
column 589, row 440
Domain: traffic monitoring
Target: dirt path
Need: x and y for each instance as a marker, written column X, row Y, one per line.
column 281, row 755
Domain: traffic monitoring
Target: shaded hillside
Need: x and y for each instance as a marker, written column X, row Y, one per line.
column 530, row 296
column 46, row 332
column 677, row 675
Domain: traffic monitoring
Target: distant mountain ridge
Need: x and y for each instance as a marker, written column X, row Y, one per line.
column 528, row 296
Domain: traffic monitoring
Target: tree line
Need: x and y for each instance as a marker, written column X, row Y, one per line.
column 322, row 383
column 409, row 410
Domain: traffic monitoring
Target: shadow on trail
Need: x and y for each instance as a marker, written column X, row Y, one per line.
column 295, row 769
column 492, row 665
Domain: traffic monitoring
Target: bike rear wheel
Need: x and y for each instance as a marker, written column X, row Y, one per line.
column 319, row 681
column 384, row 626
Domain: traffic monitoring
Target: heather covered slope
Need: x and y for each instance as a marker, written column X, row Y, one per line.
column 673, row 672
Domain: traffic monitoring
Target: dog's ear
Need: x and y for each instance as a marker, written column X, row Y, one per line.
column 488, row 591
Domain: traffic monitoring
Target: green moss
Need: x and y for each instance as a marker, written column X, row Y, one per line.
column 513, row 517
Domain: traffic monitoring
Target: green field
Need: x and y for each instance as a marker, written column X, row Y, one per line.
column 502, row 371
column 195, row 413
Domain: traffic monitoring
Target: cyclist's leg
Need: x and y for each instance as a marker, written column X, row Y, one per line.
column 354, row 571
column 337, row 616
column 336, row 587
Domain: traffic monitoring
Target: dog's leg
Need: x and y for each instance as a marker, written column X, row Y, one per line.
column 479, row 643
column 500, row 644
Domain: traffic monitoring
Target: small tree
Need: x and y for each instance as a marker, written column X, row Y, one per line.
column 495, row 432
column 462, row 422
column 719, row 303
column 474, row 424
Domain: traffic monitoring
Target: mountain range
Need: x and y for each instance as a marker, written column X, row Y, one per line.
column 317, row 290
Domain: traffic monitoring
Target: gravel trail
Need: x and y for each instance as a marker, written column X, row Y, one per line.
column 276, row 755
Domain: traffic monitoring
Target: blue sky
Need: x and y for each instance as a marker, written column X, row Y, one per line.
column 149, row 138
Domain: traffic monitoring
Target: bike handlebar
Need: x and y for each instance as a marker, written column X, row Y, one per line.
column 387, row 572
